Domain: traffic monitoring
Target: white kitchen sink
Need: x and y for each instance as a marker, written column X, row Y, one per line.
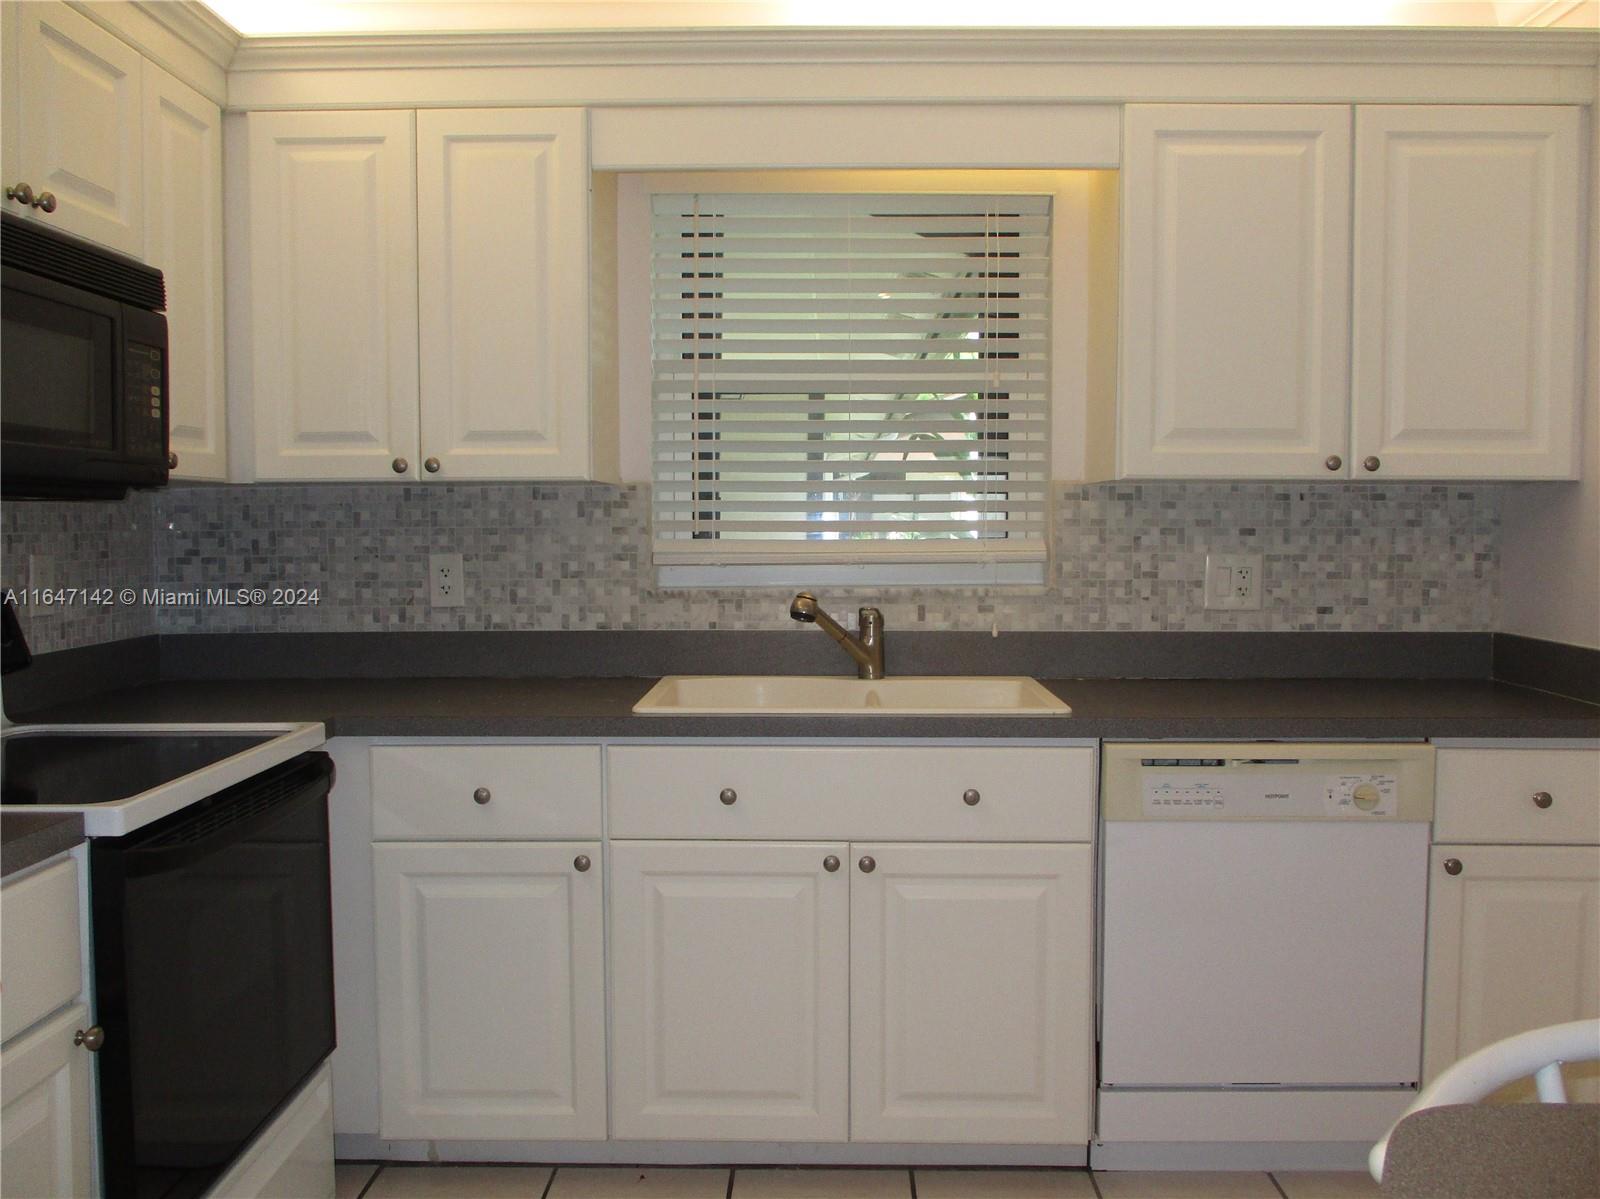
column 817, row 695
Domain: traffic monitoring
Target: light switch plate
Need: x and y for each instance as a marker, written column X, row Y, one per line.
column 1233, row 582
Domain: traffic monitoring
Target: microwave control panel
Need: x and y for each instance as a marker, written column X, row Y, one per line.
column 144, row 391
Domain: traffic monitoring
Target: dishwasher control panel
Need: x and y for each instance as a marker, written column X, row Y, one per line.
column 1265, row 794
column 1269, row 781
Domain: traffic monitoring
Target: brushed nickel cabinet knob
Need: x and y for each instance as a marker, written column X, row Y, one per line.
column 1542, row 799
column 728, row 796
column 1370, row 463
column 400, row 466
column 970, row 797
column 90, row 1038
column 172, row 462
column 21, row 193
column 830, row 863
column 1333, row 462
column 482, row 795
column 867, row 865
column 431, row 465
column 45, row 203
column 581, row 863
column 1452, row 866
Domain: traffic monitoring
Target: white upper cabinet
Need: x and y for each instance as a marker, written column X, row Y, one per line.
column 1235, row 303
column 1467, row 291
column 419, row 295
column 76, row 137
column 183, row 237
column 503, row 224
column 332, row 244
column 1247, row 350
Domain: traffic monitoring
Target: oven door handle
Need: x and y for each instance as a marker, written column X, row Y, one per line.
column 230, row 817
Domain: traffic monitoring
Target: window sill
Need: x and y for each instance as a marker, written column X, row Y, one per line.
column 875, row 574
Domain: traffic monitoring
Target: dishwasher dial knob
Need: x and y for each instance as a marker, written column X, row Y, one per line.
column 1365, row 797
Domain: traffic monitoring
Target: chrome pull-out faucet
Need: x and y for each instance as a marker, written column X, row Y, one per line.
column 866, row 650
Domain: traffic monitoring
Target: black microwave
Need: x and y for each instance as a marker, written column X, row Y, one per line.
column 83, row 368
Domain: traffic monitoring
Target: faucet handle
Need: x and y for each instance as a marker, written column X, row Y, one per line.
column 870, row 623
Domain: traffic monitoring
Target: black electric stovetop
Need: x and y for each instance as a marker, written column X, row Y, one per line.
column 95, row 768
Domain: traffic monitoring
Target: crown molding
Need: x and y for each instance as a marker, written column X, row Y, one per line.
column 182, row 37
column 196, row 25
column 761, row 46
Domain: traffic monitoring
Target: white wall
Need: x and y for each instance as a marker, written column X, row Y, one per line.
column 1550, row 532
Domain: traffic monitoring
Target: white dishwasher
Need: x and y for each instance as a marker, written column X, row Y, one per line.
column 1264, row 913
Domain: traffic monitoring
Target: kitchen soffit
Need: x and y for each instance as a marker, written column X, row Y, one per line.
column 253, row 18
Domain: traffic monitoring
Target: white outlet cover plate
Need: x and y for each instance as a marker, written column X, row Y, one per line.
column 1233, row 582
column 446, row 587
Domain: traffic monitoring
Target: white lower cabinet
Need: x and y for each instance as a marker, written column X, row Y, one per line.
column 46, row 1130
column 769, row 984
column 730, row 976
column 491, row 990
column 44, row 1111
column 1513, row 944
column 945, row 991
column 1513, row 903
column 971, row 993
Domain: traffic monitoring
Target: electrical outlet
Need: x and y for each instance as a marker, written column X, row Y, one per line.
column 1233, row 581
column 445, row 582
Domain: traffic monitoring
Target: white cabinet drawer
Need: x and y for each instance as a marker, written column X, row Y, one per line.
column 40, row 958
column 762, row 792
column 1489, row 795
column 485, row 792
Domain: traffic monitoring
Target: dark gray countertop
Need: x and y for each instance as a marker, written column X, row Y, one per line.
column 1189, row 709
column 30, row 837
column 1210, row 709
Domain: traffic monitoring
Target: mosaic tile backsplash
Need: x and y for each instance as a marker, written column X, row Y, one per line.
column 46, row 547
column 1359, row 557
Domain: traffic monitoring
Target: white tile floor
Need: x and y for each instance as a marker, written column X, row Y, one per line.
column 357, row 1180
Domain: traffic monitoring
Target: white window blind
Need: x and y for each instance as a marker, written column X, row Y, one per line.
column 840, row 378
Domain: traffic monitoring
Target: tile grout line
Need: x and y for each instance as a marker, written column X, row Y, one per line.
column 1276, row 1185
column 549, row 1183
column 731, row 1172
column 362, row 1193
column 911, row 1178
column 1094, row 1183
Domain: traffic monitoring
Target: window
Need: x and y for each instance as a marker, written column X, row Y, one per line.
column 850, row 379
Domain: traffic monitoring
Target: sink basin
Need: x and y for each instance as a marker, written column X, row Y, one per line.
column 815, row 695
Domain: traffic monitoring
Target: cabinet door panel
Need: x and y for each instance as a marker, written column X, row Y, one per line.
column 1467, row 291
column 491, row 1010
column 730, row 982
column 504, row 252
column 971, row 993
column 333, row 288
column 79, row 126
column 1513, row 944
column 44, row 1110
column 183, row 237
column 1235, row 290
